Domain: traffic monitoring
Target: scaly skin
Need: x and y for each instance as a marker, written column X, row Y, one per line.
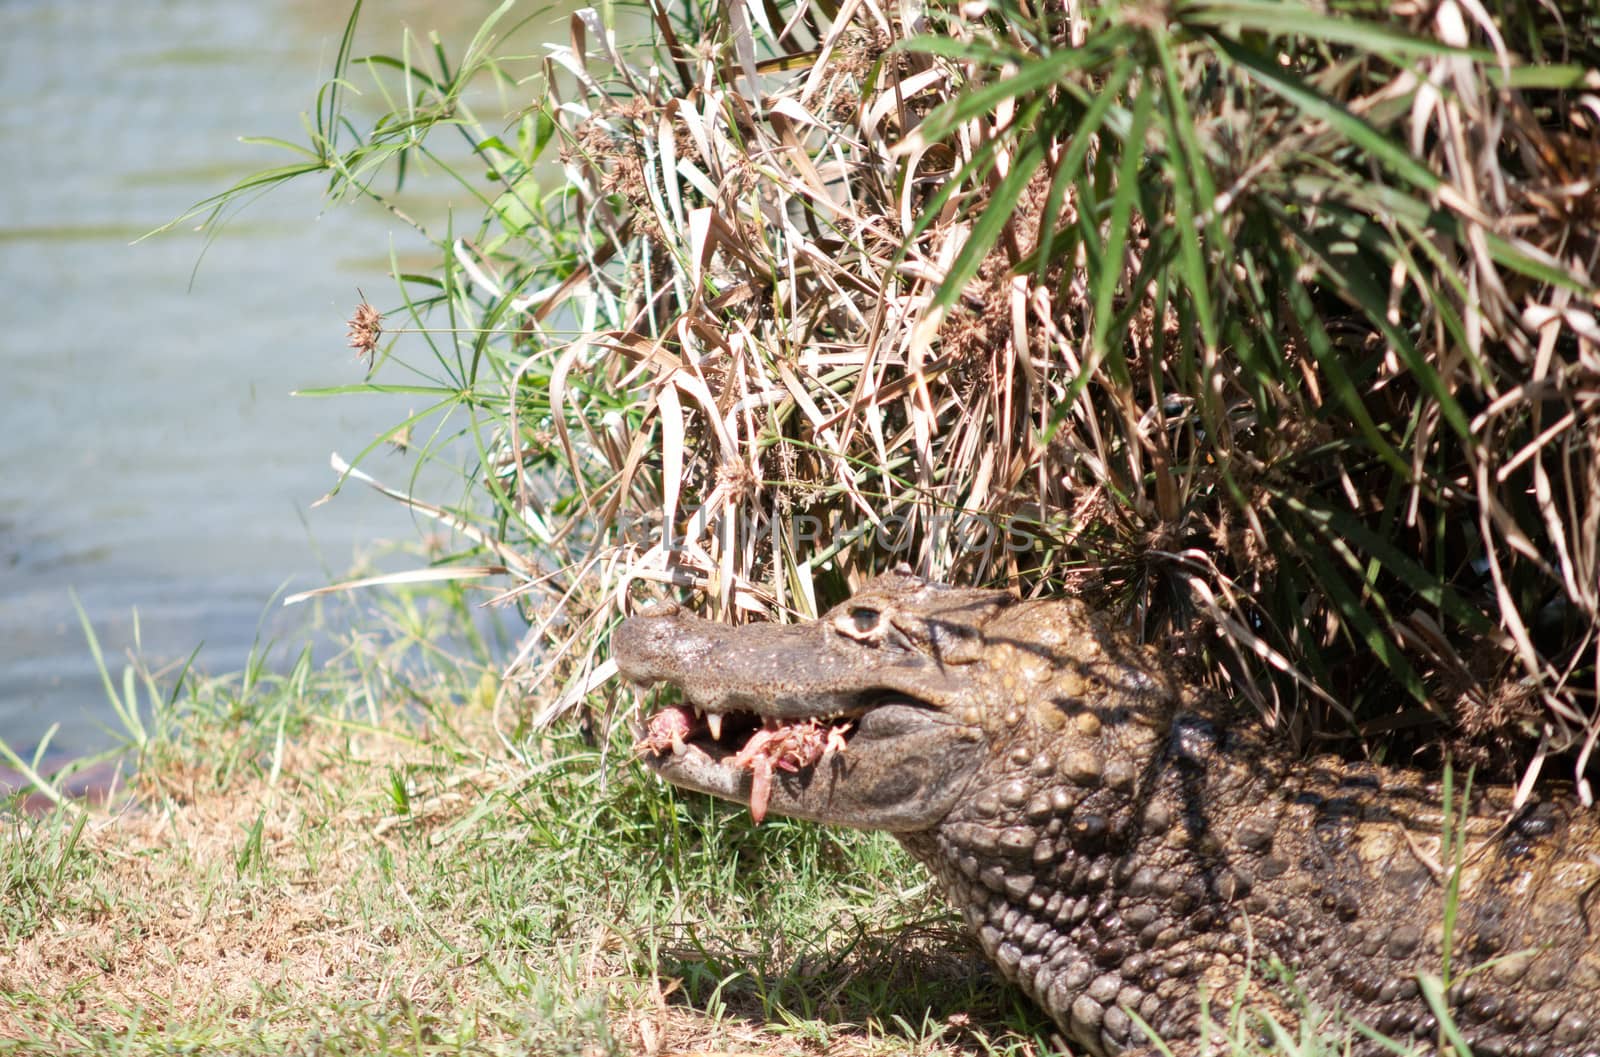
column 1121, row 843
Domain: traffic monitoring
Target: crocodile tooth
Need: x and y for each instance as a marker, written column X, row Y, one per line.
column 714, row 724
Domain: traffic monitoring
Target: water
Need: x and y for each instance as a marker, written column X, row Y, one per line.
column 152, row 455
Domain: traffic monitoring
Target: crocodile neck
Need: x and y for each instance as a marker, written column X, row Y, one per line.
column 1103, row 889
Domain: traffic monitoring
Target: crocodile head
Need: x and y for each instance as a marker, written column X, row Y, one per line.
column 879, row 715
column 1119, row 842
column 865, row 717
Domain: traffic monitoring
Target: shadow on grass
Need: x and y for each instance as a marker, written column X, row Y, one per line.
column 926, row 979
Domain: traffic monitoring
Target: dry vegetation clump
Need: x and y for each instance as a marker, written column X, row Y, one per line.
column 1271, row 325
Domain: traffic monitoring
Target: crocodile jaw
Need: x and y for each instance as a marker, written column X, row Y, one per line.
column 811, row 726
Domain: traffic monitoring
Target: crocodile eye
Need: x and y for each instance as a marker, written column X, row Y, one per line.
column 861, row 622
column 865, row 621
column 873, row 627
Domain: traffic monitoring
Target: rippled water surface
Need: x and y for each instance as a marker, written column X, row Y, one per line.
column 152, row 456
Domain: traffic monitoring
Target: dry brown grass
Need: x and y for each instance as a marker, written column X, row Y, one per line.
column 168, row 926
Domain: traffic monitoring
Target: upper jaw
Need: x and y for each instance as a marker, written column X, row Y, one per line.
column 785, row 672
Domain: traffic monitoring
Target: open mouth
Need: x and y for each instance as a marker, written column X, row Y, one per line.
column 743, row 741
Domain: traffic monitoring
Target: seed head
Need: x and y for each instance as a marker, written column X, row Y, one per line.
column 366, row 327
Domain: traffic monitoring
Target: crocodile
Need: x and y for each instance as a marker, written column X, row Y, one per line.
column 1130, row 849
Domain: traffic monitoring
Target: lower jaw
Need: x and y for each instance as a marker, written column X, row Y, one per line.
column 737, row 756
column 694, row 768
